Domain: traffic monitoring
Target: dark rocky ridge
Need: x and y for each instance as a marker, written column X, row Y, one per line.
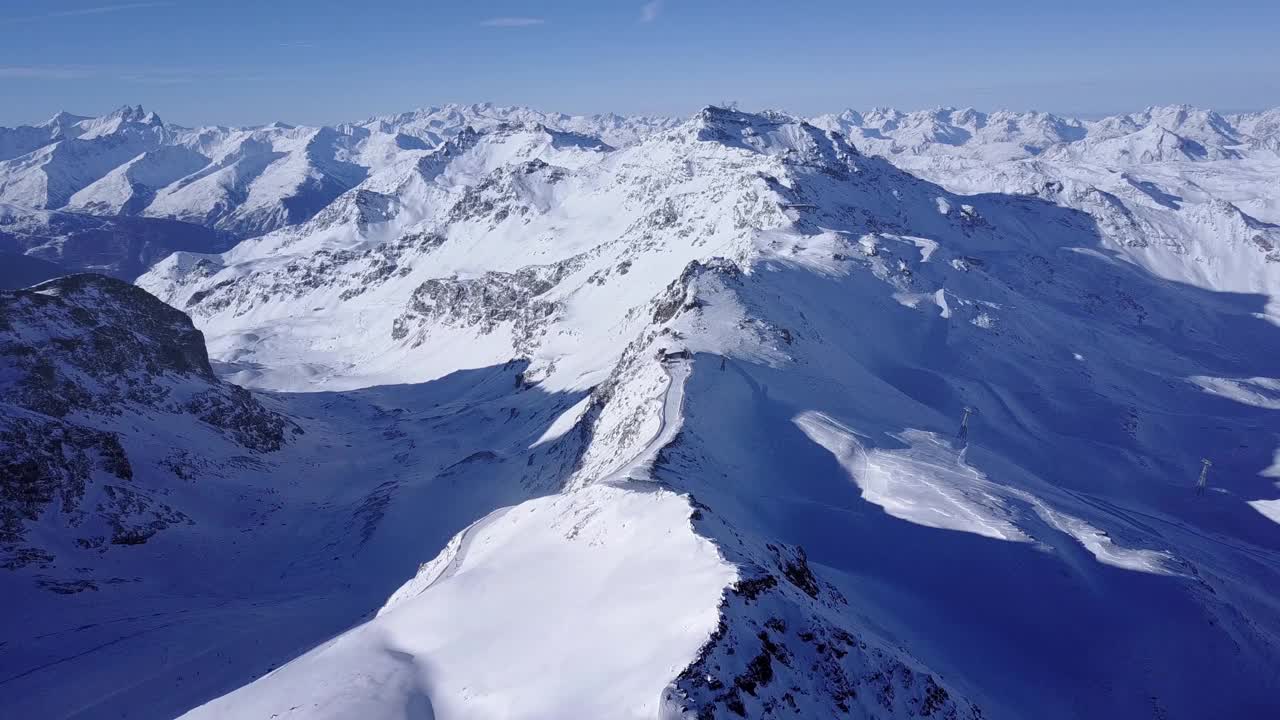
column 78, row 355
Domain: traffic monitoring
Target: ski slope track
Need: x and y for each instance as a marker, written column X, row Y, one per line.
column 520, row 415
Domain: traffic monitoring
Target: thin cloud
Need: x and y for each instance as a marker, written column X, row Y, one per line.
column 158, row 77
column 143, row 75
column 99, row 10
column 512, row 22
column 36, row 72
column 650, row 11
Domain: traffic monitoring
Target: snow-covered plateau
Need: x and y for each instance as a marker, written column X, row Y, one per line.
column 484, row 412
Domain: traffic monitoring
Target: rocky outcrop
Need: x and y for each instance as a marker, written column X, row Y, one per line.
column 783, row 649
column 78, row 356
column 519, row 300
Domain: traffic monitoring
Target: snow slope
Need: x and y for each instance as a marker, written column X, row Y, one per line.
column 1178, row 131
column 168, row 537
column 668, row 428
column 823, row 316
column 1211, row 224
column 1185, row 192
column 244, row 180
column 250, row 181
column 494, row 634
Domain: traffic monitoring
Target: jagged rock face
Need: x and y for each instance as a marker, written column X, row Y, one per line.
column 88, row 344
column 770, row 658
column 353, row 272
column 484, row 303
column 99, row 327
column 46, row 462
column 78, row 356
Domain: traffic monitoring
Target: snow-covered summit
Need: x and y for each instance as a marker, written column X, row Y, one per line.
column 249, row 181
column 125, row 119
column 1009, row 135
column 436, row 124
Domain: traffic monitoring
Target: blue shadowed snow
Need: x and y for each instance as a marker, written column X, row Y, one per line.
column 286, row 550
column 1061, row 546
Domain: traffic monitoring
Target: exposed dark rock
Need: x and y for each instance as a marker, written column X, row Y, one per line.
column 76, row 354
column 44, row 461
column 678, row 296
column 488, row 301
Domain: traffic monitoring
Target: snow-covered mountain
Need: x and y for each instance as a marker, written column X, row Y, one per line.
column 240, row 182
column 166, row 536
column 1189, row 194
column 1177, row 132
column 246, row 182
column 437, row 124
column 673, row 424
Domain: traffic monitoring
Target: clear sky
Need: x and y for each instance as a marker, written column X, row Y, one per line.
column 321, row 61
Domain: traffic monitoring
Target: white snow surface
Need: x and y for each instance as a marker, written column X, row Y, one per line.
column 486, row 631
column 926, row 483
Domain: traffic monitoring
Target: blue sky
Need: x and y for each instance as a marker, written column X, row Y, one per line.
column 313, row 61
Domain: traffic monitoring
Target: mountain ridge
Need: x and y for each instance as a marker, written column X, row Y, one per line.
column 245, row 182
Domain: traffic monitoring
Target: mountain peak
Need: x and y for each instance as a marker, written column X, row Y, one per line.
column 136, row 114
column 62, row 119
column 771, row 133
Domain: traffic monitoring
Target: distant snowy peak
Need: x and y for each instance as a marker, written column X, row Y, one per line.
column 129, row 163
column 769, row 132
column 64, row 125
column 62, row 120
column 1190, row 121
column 1257, row 124
column 125, row 119
column 1152, row 143
column 1007, row 135
column 252, row 181
column 949, row 130
column 248, row 181
column 437, row 124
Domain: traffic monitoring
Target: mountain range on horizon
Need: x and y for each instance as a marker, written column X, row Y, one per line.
column 61, row 180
